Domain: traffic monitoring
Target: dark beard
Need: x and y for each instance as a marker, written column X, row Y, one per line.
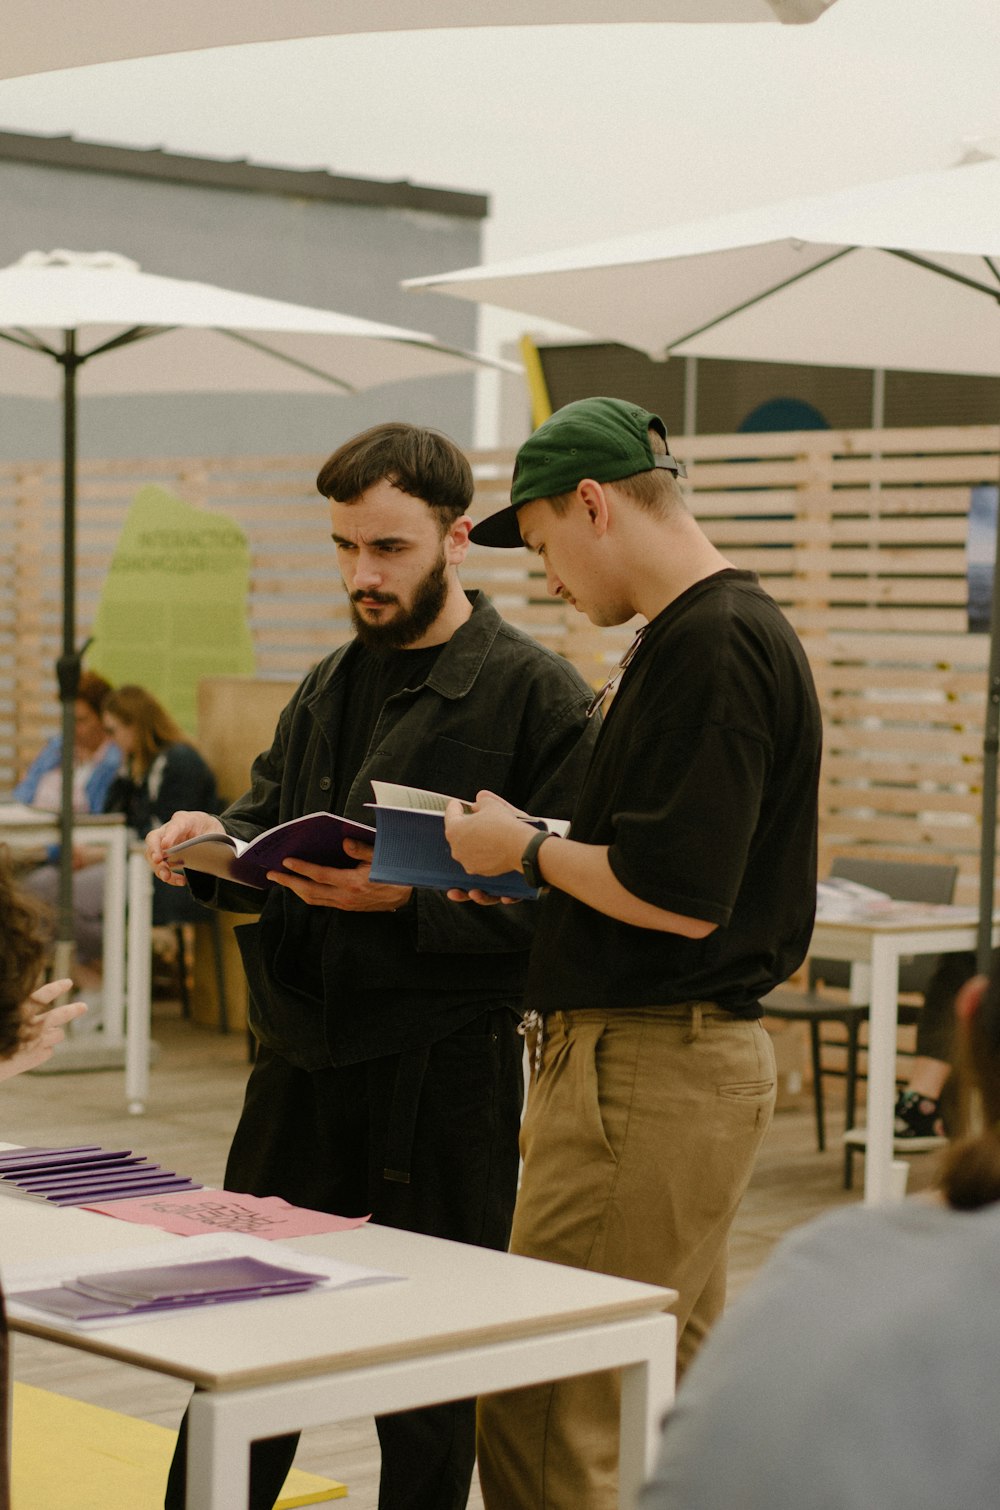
column 407, row 625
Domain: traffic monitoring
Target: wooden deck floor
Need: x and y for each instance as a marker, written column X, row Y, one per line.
column 197, row 1088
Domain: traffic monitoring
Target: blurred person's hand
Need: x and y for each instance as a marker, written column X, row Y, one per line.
column 43, row 1027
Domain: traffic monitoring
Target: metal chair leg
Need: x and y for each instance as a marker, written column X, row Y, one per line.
column 818, row 1086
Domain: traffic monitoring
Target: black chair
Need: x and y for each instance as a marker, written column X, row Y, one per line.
column 904, row 882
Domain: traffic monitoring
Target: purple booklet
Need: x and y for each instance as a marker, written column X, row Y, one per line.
column 128, row 1292
column 317, row 837
column 74, row 1174
column 26, row 1160
column 77, row 1176
column 84, row 1195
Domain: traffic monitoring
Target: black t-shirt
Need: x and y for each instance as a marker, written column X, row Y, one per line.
column 374, row 678
column 703, row 784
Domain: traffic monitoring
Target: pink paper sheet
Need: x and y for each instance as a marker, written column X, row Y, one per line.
column 188, row 1212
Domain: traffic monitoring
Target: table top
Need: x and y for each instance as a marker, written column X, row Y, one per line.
column 453, row 1296
column 15, row 815
column 908, row 917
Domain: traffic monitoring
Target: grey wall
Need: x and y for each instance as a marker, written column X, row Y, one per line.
column 310, row 251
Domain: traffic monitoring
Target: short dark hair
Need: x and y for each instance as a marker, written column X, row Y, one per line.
column 92, row 690
column 421, row 462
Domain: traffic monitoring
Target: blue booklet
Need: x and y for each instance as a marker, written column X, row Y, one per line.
column 411, row 848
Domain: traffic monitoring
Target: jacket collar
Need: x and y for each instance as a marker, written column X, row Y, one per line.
column 454, row 672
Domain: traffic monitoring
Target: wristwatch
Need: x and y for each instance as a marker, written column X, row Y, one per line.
column 529, row 868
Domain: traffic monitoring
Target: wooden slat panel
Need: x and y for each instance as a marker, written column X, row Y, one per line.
column 859, row 535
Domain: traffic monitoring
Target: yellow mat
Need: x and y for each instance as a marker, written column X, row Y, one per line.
column 71, row 1456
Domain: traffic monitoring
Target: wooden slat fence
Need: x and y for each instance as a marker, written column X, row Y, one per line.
column 859, row 535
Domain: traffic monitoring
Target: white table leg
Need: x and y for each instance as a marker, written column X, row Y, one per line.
column 218, row 1462
column 137, row 1026
column 114, row 935
column 647, row 1391
column 881, row 1071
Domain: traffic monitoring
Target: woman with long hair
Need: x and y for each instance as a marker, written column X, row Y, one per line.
column 859, row 1369
column 160, row 772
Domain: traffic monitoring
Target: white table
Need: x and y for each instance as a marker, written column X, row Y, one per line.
column 877, row 945
column 126, row 950
column 464, row 1321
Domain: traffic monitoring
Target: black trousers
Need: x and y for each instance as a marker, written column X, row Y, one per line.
column 426, row 1141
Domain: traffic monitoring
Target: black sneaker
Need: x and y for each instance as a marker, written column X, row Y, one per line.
column 917, row 1123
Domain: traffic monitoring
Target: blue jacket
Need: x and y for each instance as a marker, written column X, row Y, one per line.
column 98, row 782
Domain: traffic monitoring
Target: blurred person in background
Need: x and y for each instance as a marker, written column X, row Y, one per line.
column 157, row 770
column 96, row 758
column 30, row 1029
column 860, row 1366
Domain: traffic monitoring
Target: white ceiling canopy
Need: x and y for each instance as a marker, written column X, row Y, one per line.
column 841, row 279
column 41, row 35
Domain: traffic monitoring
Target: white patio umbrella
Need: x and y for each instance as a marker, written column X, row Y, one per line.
column 41, row 35
column 903, row 274
column 75, row 323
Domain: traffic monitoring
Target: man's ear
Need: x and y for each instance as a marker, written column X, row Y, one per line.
column 456, row 541
column 969, row 998
column 595, row 501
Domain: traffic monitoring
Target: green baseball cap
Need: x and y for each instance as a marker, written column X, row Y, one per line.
column 602, row 438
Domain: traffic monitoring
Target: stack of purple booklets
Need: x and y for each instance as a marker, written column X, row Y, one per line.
column 78, row 1175
column 168, row 1287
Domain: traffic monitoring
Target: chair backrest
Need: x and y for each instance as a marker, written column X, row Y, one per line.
column 904, row 882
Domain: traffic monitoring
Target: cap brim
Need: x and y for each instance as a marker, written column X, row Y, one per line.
column 499, row 529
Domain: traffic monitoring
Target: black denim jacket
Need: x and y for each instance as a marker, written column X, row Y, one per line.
column 497, row 710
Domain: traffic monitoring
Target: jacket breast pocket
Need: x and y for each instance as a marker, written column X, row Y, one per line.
column 453, row 766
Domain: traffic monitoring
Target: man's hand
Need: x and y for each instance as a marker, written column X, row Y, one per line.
column 348, row 890
column 43, row 1027
column 181, row 826
column 488, row 842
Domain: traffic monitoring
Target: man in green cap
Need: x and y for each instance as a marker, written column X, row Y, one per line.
column 683, row 894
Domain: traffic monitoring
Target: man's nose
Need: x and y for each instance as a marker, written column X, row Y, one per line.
column 367, row 571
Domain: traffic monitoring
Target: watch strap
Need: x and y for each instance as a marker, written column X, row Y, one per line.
column 529, row 867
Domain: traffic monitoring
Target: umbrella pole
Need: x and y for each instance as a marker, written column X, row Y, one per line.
column 991, row 744
column 68, row 664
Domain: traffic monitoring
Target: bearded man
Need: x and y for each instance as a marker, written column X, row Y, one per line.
column 388, row 1073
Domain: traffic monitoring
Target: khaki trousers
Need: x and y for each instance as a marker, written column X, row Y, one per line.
column 639, row 1139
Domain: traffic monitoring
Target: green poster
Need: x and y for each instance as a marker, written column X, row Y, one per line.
column 174, row 605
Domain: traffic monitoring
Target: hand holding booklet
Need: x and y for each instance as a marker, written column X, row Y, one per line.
column 317, row 837
column 411, row 848
column 409, row 839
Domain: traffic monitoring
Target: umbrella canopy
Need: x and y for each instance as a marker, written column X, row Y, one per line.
column 40, row 35
column 95, row 323
column 834, row 280
column 903, row 274
column 170, row 335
